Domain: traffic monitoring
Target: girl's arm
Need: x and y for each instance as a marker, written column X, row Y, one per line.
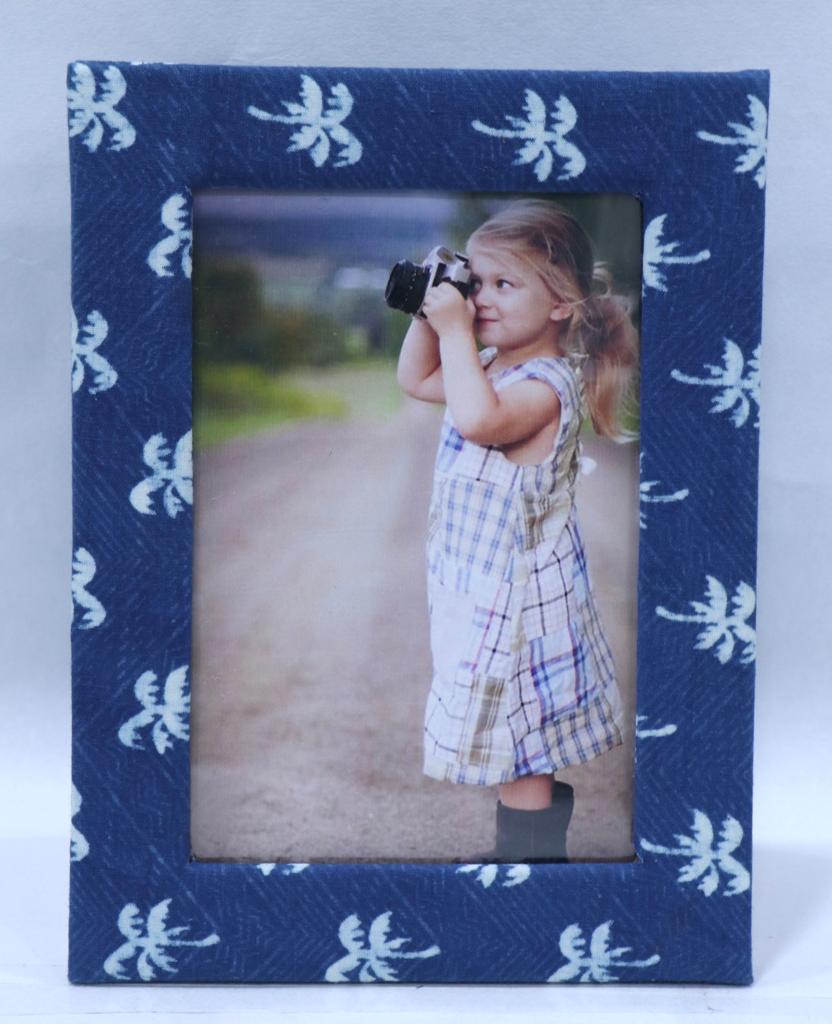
column 479, row 413
column 419, row 371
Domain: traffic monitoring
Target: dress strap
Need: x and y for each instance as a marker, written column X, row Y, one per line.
column 577, row 360
column 564, row 377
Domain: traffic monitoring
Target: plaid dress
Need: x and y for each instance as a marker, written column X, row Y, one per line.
column 523, row 677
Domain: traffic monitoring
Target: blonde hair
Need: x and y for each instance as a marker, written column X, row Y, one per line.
column 555, row 245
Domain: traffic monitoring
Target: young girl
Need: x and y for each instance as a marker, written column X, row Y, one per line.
column 523, row 680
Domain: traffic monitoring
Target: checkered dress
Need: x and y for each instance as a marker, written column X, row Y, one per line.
column 523, row 678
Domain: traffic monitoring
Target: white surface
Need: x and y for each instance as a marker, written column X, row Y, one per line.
column 793, row 834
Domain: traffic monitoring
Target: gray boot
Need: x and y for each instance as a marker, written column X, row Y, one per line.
column 532, row 837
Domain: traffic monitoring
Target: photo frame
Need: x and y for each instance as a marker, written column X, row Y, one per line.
column 691, row 147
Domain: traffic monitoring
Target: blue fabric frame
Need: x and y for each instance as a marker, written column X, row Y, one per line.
column 692, row 148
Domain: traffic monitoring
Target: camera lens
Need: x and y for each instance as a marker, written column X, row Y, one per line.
column 406, row 286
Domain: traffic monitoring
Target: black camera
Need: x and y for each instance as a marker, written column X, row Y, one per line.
column 409, row 282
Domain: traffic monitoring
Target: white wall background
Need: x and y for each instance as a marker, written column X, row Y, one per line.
column 793, row 837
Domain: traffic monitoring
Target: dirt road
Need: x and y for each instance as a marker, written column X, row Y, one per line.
column 311, row 660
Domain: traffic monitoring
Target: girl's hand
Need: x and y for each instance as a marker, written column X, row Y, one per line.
column 447, row 311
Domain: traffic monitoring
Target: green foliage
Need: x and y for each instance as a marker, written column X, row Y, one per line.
column 471, row 211
column 367, row 388
column 227, row 308
column 235, row 399
column 232, row 323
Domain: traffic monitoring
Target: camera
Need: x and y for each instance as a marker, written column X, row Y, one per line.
column 409, row 282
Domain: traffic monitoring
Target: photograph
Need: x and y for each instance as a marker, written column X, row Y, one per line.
column 416, row 526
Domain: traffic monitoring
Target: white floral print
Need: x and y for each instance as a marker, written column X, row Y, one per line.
column 169, row 716
column 722, row 627
column 542, row 144
column 317, row 125
column 174, row 479
column 487, row 874
column 737, row 389
column 176, row 217
column 706, row 862
column 659, row 254
column 83, row 573
column 751, row 136
column 150, row 941
column 597, row 962
column 85, row 353
column 92, row 109
column 371, row 954
column 78, row 845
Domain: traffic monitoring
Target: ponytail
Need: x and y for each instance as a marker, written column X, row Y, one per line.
column 601, row 330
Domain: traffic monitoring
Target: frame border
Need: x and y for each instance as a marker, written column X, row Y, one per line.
column 142, row 137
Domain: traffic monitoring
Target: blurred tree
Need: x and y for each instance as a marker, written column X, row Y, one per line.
column 392, row 327
column 227, row 308
column 363, row 310
column 232, row 324
column 471, row 211
column 299, row 337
